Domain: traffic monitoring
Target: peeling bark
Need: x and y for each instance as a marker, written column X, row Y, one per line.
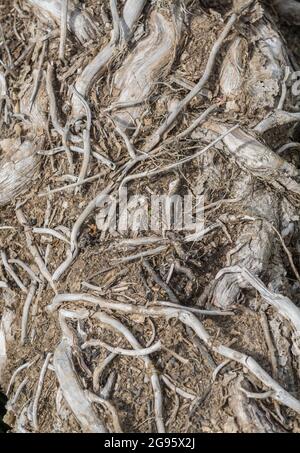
column 289, row 10
column 79, row 22
column 72, row 390
column 137, row 76
column 249, row 416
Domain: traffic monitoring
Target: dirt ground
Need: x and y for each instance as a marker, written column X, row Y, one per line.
column 210, row 404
